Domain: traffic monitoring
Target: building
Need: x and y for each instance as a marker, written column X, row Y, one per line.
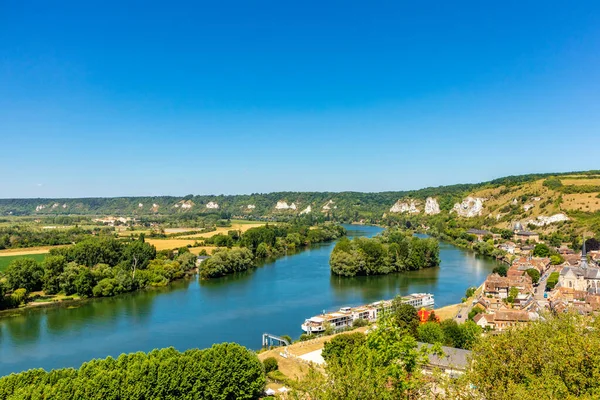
column 499, row 286
column 526, row 236
column 485, row 320
column 584, row 277
column 452, row 362
column 479, row 233
column 508, row 318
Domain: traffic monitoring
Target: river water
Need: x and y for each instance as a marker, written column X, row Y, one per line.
column 275, row 298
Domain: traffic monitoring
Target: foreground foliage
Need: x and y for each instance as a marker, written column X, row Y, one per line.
column 224, row 371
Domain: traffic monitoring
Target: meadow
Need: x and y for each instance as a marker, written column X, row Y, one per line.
column 5, row 260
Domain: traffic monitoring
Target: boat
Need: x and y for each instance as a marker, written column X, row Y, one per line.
column 346, row 316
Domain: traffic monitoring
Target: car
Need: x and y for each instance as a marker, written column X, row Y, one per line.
column 459, row 316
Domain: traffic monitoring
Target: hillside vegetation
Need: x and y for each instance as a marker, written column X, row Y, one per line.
column 497, row 203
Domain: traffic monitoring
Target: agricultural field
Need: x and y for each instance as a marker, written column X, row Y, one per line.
column 5, row 260
column 581, row 182
column 169, row 244
column 588, row 202
column 242, row 226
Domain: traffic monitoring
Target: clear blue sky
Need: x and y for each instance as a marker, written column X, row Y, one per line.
column 108, row 98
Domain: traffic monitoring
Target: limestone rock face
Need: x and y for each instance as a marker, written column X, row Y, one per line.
column 55, row 205
column 212, row 205
column 405, row 207
column 283, row 205
column 470, row 207
column 155, row 207
column 64, row 205
column 250, row 206
column 40, row 207
column 527, row 207
column 543, row 220
column 140, row 205
column 306, row 210
column 431, row 206
column 329, row 205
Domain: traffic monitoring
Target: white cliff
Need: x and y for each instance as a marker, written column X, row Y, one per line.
column 528, row 207
column 543, row 220
column 212, row 205
column 431, row 206
column 470, row 207
column 405, row 207
column 140, row 205
column 40, row 207
column 328, row 205
column 283, row 205
column 306, row 210
column 250, row 206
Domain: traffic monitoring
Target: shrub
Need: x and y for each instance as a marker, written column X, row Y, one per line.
column 270, row 364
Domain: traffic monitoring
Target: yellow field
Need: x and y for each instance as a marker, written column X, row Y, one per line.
column 580, row 182
column 197, row 250
column 28, row 250
column 236, row 226
column 588, row 202
column 169, row 244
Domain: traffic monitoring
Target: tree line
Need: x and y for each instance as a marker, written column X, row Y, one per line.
column 224, row 371
column 94, row 267
column 18, row 236
column 260, row 243
column 393, row 251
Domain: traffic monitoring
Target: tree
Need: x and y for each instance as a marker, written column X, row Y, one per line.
column 556, row 259
column 538, row 372
column 470, row 292
column 592, row 244
column 513, row 292
column 534, row 274
column 501, row 270
column 405, row 316
column 430, row 332
column 24, row 273
column 552, row 280
column 270, row 364
column 342, row 344
column 541, row 250
column 53, row 267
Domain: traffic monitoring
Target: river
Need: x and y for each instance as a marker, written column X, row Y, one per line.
column 275, row 298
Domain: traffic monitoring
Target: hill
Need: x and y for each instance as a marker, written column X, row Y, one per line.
column 542, row 200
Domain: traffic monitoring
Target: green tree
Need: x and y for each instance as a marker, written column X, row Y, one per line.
column 24, row 273
column 534, row 274
column 342, row 344
column 538, row 372
column 513, row 292
column 541, row 250
column 270, row 364
column 53, row 268
column 430, row 332
column 501, row 270
column 405, row 316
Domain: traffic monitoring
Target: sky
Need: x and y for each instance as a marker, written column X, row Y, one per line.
column 125, row 98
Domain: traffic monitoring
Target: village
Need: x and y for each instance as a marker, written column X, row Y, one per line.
column 531, row 286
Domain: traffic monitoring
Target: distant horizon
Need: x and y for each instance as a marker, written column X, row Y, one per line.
column 241, row 97
column 303, row 191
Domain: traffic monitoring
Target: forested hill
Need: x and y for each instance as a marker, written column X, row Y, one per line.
column 349, row 206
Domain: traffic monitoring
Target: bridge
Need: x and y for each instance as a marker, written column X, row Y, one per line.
column 269, row 340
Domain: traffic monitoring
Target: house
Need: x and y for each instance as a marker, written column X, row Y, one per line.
column 201, row 259
column 499, row 286
column 485, row 320
column 507, row 318
column 526, row 235
column 508, row 247
column 479, row 233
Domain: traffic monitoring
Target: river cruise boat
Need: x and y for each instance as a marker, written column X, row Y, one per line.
column 370, row 312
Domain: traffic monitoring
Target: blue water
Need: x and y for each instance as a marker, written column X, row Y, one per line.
column 274, row 298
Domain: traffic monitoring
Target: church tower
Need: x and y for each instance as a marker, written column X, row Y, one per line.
column 583, row 264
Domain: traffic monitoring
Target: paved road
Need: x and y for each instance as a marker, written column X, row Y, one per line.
column 463, row 312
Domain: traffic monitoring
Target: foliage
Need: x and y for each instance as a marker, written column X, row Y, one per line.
column 555, row 359
column 462, row 336
column 24, row 273
column 470, row 291
column 501, row 270
column 556, row 259
column 224, row 371
column 270, row 364
column 405, row 316
column 386, row 366
column 431, row 332
column 541, row 250
column 394, row 251
column 534, row 274
column 226, row 261
column 552, row 183
column 341, row 345
column 513, row 292
column 552, row 280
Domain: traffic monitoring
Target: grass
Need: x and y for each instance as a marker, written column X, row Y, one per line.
column 6, row 260
column 235, row 226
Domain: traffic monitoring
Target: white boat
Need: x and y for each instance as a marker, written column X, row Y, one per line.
column 346, row 316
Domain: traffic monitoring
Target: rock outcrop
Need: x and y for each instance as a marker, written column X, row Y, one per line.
column 212, row 205
column 431, row 206
column 154, row 207
column 140, row 205
column 329, row 205
column 527, row 207
column 307, row 210
column 250, row 206
column 283, row 205
column 470, row 207
column 40, row 207
column 405, row 207
column 543, row 220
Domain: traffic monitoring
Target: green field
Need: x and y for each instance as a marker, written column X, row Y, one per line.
column 5, row 260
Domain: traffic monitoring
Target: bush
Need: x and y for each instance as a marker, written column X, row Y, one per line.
column 270, row 364
column 357, row 323
column 501, row 270
column 552, row 280
column 342, row 344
